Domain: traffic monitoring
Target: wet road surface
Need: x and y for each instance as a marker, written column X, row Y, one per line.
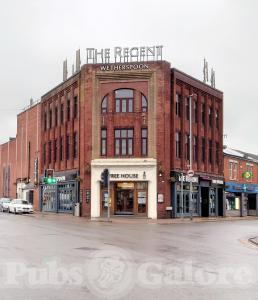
column 64, row 257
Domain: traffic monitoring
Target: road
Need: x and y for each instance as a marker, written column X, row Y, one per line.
column 63, row 257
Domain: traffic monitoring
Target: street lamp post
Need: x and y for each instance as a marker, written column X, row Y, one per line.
column 190, row 156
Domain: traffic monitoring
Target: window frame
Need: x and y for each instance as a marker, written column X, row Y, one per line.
column 103, row 151
column 120, row 100
column 144, row 141
column 120, row 141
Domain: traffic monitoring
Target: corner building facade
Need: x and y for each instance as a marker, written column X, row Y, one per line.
column 125, row 119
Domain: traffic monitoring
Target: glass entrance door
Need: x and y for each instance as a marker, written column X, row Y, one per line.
column 124, row 202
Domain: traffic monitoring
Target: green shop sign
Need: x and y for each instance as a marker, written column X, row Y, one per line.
column 247, row 175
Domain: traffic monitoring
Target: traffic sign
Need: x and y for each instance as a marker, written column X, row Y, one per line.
column 190, row 173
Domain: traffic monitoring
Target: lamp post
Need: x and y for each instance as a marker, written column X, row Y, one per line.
column 190, row 156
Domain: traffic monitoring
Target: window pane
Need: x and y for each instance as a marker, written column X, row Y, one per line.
column 123, row 146
column 124, row 93
column 144, row 133
column 117, row 133
column 130, row 147
column 130, row 133
column 104, row 105
column 117, row 147
column 117, row 105
column 130, row 105
column 103, row 147
column 103, row 133
column 124, row 105
column 123, row 133
column 144, row 147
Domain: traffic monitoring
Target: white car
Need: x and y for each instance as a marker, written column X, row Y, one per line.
column 4, row 204
column 20, row 206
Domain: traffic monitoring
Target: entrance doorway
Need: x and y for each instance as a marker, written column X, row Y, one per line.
column 251, row 205
column 124, row 202
column 205, row 201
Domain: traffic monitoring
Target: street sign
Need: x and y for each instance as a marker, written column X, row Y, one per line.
column 190, row 173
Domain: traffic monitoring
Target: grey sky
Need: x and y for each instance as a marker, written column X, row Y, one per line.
column 37, row 35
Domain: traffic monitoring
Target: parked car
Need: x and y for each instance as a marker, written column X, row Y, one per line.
column 20, row 206
column 4, row 204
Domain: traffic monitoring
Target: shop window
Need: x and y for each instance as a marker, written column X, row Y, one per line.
column 124, row 142
column 144, row 104
column 144, row 141
column 232, row 202
column 178, row 105
column 104, row 105
column 103, row 141
column 124, row 100
column 178, row 144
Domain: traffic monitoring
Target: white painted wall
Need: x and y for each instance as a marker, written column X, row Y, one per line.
column 125, row 166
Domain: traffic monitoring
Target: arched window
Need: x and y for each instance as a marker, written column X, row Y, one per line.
column 144, row 104
column 124, row 100
column 104, row 105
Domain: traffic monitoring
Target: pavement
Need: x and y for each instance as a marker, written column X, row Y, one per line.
column 51, row 256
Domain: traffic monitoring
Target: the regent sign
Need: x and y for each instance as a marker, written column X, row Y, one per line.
column 123, row 55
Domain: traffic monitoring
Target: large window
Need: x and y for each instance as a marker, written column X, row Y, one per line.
column 144, row 104
column 210, row 152
column 203, row 149
column 67, row 147
column 210, row 116
column 178, row 105
column 45, row 121
column 195, row 148
column 233, row 166
column 56, row 116
column 61, row 154
column 195, row 111
column 50, row 118
column 62, row 113
column 178, row 144
column 187, row 105
column 124, row 100
column 49, row 152
column 75, row 145
column 68, row 110
column 75, row 107
column 187, row 146
column 104, row 105
column 55, row 150
column 144, row 141
column 123, row 141
column 103, row 141
column 217, row 118
column 203, row 113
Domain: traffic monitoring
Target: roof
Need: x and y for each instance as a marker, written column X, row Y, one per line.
column 241, row 154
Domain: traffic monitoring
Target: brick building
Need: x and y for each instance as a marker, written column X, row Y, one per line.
column 241, row 183
column 19, row 158
column 133, row 119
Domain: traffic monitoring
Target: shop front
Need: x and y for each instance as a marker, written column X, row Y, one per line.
column 132, row 188
column 241, row 199
column 207, row 196
column 62, row 196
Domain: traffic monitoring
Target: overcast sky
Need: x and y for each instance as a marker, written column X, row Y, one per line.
column 37, row 35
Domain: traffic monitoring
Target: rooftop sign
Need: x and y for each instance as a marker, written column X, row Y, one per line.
column 123, row 55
